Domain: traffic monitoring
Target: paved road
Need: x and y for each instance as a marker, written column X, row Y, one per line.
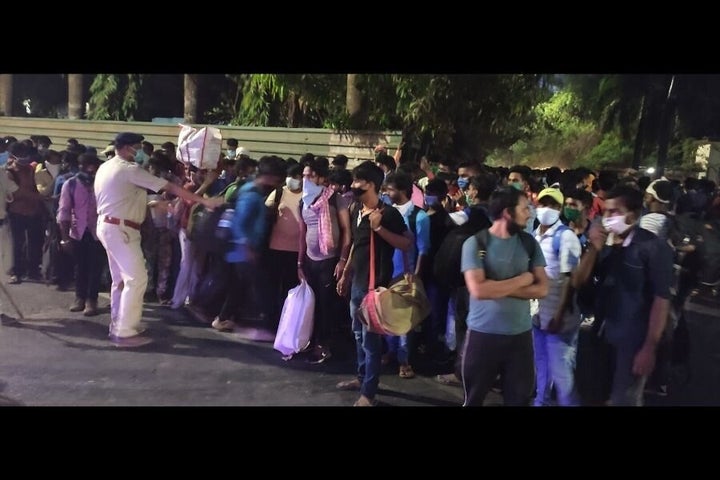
column 55, row 357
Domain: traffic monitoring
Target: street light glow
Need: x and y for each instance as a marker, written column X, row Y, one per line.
column 650, row 170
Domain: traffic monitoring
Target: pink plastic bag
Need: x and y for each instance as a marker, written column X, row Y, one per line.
column 200, row 148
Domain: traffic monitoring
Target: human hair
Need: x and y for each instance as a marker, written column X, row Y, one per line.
column 504, row 198
column 386, row 160
column 436, row 187
column 583, row 196
column 321, row 166
column 294, row 169
column 87, row 159
column 485, row 184
column 341, row 177
column 369, row 172
column 631, row 198
column 401, row 182
column 524, row 172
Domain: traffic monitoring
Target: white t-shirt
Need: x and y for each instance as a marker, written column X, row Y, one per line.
column 121, row 189
column 656, row 223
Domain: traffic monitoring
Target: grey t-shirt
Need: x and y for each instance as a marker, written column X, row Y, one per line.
column 505, row 258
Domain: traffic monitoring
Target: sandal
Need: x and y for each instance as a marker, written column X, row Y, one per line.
column 448, row 379
column 406, row 371
column 363, row 401
column 353, row 384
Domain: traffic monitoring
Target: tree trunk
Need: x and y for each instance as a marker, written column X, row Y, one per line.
column 75, row 96
column 640, row 136
column 191, row 86
column 6, row 94
column 353, row 100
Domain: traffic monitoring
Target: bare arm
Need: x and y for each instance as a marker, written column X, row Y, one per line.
column 344, row 221
column 582, row 273
column 538, row 289
column 644, row 362
column 191, row 197
column 483, row 289
column 401, row 242
column 209, row 180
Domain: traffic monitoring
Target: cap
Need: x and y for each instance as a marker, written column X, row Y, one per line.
column 661, row 190
column 554, row 193
column 109, row 149
column 127, row 138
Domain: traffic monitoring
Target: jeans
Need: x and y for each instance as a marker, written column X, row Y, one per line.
column 555, row 366
column 368, row 346
column 399, row 345
column 627, row 388
column 319, row 276
column 89, row 258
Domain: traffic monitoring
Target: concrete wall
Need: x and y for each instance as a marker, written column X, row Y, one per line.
column 284, row 142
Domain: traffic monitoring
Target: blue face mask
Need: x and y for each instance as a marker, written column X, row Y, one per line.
column 4, row 158
column 231, row 154
column 463, row 183
column 140, row 157
column 431, row 200
column 310, row 191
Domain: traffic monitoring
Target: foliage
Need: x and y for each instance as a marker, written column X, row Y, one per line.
column 115, row 97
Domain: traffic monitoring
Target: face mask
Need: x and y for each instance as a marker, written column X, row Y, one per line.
column 293, row 183
column 431, row 200
column 140, row 157
column 463, row 183
column 53, row 169
column 310, row 191
column 616, row 224
column 86, row 178
column 571, row 214
column 4, row 158
column 231, row 154
column 358, row 192
column 517, row 185
column 547, row 216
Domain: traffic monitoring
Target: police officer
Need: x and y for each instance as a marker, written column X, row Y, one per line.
column 120, row 187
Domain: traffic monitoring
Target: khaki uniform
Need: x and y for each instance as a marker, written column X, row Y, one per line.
column 120, row 189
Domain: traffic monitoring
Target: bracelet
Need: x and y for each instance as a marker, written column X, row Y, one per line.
column 377, row 229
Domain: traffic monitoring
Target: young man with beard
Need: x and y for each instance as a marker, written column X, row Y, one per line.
column 77, row 221
column 501, row 277
column 387, row 226
column 121, row 191
column 633, row 272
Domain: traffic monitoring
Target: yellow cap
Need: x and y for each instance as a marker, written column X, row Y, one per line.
column 555, row 193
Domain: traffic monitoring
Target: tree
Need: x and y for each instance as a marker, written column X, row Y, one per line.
column 75, row 96
column 115, row 97
column 190, row 98
column 6, row 94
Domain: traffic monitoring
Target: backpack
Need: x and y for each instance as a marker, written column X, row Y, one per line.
column 528, row 242
column 413, row 219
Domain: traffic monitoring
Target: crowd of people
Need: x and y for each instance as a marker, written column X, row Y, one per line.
column 516, row 262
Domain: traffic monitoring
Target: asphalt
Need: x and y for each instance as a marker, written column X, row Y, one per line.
column 57, row 358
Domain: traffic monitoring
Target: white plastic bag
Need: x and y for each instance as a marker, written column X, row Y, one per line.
column 200, row 148
column 296, row 321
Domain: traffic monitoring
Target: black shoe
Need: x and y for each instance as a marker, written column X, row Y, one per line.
column 320, row 355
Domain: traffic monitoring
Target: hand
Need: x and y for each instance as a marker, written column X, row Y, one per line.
column 644, row 362
column 213, row 203
column 457, row 196
column 598, row 236
column 301, row 274
column 9, row 198
column 339, row 269
column 527, row 279
column 409, row 277
column 375, row 218
column 342, row 285
column 556, row 324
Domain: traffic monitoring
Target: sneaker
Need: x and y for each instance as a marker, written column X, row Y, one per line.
column 223, row 325
column 129, row 342
column 14, row 280
column 78, row 305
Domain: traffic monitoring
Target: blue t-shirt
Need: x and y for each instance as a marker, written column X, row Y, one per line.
column 505, row 258
column 421, row 246
column 248, row 223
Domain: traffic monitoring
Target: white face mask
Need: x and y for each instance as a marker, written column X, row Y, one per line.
column 616, row 224
column 293, row 183
column 547, row 216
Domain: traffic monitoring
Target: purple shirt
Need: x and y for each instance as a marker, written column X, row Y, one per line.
column 80, row 208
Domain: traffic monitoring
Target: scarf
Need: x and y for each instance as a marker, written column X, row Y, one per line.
column 321, row 207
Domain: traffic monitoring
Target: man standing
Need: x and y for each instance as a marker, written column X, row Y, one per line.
column 633, row 271
column 501, row 277
column 77, row 219
column 388, row 227
column 120, row 189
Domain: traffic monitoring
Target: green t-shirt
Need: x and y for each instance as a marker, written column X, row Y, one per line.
column 505, row 258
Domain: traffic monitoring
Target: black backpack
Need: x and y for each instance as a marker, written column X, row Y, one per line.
column 448, row 260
